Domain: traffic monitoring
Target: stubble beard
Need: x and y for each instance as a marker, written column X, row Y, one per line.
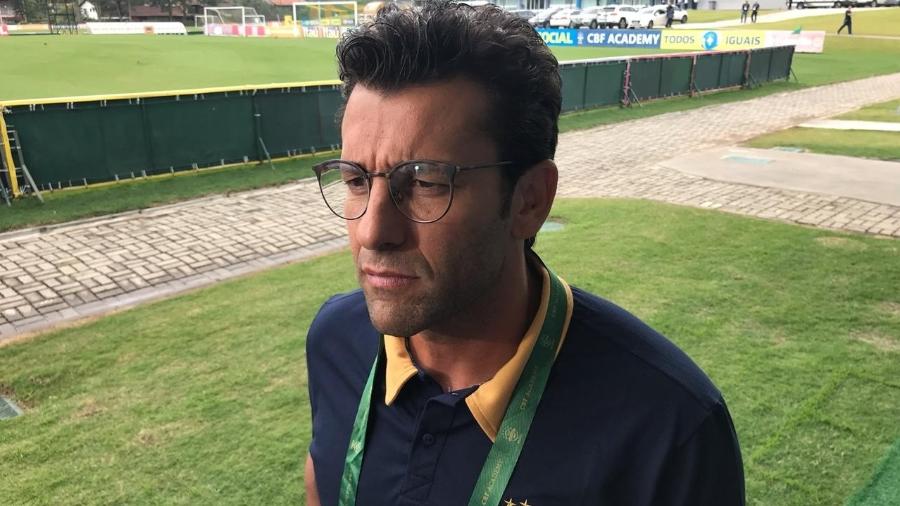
column 455, row 290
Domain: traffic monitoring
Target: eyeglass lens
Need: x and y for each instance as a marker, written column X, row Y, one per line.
column 422, row 191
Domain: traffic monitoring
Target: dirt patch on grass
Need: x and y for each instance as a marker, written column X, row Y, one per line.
column 844, row 243
column 89, row 408
column 891, row 308
column 878, row 341
column 150, row 437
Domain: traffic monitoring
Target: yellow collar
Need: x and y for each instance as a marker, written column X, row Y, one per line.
column 487, row 403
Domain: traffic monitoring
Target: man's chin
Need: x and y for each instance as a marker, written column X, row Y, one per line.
column 394, row 319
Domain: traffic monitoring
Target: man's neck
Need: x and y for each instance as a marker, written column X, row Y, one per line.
column 477, row 344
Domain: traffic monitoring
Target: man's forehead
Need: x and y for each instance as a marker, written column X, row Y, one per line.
column 451, row 110
column 455, row 99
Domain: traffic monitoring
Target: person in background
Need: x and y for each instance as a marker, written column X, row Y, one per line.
column 754, row 11
column 745, row 8
column 670, row 15
column 790, row 4
column 848, row 22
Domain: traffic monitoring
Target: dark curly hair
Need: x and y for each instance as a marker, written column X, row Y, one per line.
column 442, row 40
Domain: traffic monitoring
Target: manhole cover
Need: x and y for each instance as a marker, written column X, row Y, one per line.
column 552, row 226
column 8, row 409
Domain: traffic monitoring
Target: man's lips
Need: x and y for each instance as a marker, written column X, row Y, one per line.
column 378, row 278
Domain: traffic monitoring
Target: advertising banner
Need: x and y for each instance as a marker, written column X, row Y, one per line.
column 559, row 37
column 712, row 40
column 151, row 28
column 725, row 40
column 620, row 38
column 235, row 30
column 803, row 42
column 4, row 30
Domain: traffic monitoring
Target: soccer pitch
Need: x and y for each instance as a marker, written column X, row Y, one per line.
column 62, row 66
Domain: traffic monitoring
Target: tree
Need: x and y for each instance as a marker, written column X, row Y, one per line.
column 30, row 10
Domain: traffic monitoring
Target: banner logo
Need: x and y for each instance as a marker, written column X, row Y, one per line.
column 710, row 40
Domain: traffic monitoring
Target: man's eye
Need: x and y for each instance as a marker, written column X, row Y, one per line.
column 355, row 183
column 422, row 183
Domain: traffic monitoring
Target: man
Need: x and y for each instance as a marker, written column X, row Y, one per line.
column 848, row 22
column 745, row 8
column 670, row 14
column 465, row 371
column 755, row 11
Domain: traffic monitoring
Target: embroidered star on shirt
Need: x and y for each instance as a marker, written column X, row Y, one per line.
column 509, row 502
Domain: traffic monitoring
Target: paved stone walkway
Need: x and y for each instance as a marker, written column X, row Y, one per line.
column 622, row 160
column 76, row 270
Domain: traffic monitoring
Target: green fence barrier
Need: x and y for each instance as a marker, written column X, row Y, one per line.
column 89, row 141
column 675, row 76
column 603, row 83
column 573, row 91
column 645, row 76
column 608, row 81
column 95, row 139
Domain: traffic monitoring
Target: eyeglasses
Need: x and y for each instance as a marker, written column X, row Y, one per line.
column 421, row 189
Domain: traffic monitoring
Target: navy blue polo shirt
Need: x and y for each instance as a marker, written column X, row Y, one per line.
column 626, row 418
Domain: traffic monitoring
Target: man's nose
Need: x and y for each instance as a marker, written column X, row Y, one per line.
column 382, row 227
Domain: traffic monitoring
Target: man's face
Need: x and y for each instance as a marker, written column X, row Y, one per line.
column 419, row 276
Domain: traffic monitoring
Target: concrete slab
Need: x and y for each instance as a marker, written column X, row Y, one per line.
column 837, row 124
column 842, row 176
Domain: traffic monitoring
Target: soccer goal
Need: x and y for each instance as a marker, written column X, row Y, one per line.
column 241, row 16
column 328, row 13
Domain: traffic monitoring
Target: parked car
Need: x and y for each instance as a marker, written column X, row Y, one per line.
column 564, row 18
column 588, row 17
column 522, row 13
column 655, row 16
column 542, row 18
column 617, row 16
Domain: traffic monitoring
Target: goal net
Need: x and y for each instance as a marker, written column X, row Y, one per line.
column 326, row 14
column 241, row 16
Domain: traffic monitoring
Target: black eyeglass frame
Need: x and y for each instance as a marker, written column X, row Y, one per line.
column 319, row 167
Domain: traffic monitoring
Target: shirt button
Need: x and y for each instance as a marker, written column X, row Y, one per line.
column 428, row 439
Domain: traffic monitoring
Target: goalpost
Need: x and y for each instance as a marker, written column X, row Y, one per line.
column 325, row 13
column 241, row 16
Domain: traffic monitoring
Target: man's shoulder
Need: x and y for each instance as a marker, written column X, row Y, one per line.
column 342, row 326
column 632, row 352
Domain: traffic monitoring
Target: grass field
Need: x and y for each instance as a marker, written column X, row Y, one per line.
column 48, row 66
column 864, row 144
column 202, row 399
column 858, row 143
column 887, row 111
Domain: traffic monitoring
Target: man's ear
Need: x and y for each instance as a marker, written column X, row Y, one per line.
column 532, row 199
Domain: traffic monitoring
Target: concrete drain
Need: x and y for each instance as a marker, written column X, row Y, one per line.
column 751, row 160
column 552, row 226
column 8, row 409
